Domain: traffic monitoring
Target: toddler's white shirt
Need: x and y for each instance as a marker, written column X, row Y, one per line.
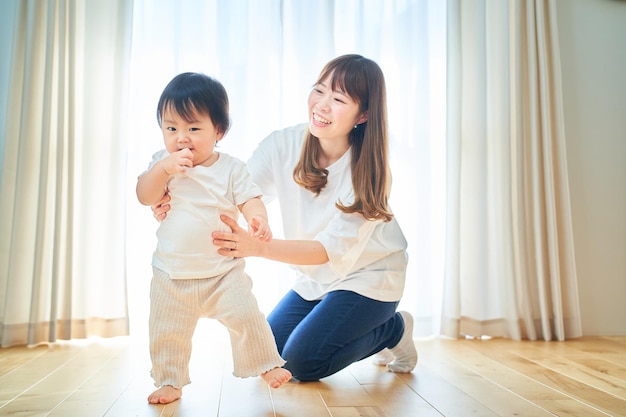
column 185, row 249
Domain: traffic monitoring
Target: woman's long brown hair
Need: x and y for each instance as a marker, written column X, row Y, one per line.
column 362, row 80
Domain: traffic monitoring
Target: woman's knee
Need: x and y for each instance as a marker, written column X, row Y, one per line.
column 304, row 364
column 306, row 370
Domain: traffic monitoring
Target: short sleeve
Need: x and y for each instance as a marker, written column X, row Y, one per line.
column 243, row 187
column 156, row 157
column 345, row 239
column 260, row 168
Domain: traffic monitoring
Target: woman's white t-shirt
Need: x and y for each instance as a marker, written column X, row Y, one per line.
column 367, row 257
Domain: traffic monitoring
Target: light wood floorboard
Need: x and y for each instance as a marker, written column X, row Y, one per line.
column 458, row 378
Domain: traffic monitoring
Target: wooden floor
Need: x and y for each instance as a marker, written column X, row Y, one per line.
column 110, row 377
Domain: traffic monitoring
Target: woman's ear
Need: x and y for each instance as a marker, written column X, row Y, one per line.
column 362, row 119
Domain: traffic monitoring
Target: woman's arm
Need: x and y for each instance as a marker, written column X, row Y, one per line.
column 240, row 244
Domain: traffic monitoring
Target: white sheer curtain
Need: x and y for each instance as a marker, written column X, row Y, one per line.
column 509, row 255
column 62, row 178
column 268, row 53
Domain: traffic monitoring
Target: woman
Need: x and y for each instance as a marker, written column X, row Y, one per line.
column 331, row 178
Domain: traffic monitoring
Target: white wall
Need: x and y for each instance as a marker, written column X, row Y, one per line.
column 593, row 58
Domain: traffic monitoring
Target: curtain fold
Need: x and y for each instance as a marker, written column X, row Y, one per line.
column 509, row 253
column 62, row 265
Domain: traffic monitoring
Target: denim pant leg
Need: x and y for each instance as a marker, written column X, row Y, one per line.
column 320, row 338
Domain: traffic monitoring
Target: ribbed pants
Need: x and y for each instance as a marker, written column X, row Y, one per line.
column 176, row 305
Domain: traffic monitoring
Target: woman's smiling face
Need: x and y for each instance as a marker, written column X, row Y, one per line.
column 332, row 113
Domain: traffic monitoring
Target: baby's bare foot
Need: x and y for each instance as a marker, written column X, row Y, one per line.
column 276, row 377
column 165, row 395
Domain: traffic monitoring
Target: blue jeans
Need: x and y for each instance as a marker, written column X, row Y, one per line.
column 319, row 338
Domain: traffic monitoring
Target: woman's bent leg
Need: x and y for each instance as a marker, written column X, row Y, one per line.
column 286, row 316
column 343, row 328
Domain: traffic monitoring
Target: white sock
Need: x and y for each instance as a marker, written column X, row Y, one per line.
column 404, row 353
column 383, row 357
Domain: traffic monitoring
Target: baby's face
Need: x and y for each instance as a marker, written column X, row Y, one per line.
column 198, row 135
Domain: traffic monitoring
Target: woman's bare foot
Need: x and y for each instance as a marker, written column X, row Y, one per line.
column 165, row 395
column 276, row 377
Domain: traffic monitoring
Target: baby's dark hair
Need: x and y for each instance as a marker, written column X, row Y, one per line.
column 190, row 93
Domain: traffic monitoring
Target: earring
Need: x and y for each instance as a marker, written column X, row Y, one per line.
column 356, row 126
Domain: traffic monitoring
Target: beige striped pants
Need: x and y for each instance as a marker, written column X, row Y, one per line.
column 176, row 305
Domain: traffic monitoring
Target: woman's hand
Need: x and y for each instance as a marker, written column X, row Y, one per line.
column 238, row 243
column 160, row 209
